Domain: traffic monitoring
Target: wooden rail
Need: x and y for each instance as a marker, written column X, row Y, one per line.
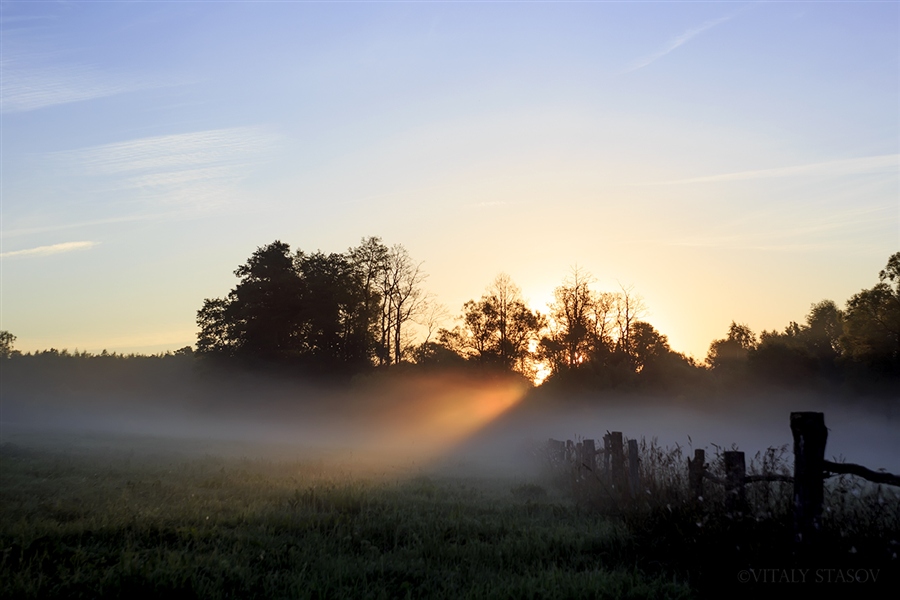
column 810, row 471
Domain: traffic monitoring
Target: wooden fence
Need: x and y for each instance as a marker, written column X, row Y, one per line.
column 618, row 468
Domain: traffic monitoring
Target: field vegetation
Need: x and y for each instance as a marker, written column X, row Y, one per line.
column 114, row 517
column 103, row 522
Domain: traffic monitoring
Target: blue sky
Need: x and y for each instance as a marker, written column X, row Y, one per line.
column 729, row 160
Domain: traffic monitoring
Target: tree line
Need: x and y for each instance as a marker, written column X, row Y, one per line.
column 859, row 343
column 340, row 314
column 345, row 312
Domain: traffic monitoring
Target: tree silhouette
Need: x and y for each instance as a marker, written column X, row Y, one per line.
column 581, row 324
column 7, row 341
column 648, row 346
column 258, row 318
column 733, row 350
column 872, row 322
column 332, row 330
column 403, row 298
column 498, row 330
column 334, row 312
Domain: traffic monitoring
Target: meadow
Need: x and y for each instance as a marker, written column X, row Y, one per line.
column 102, row 516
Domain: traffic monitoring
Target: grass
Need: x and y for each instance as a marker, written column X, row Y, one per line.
column 93, row 522
column 709, row 544
column 101, row 518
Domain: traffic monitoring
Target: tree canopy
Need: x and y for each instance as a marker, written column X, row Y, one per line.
column 332, row 312
column 338, row 314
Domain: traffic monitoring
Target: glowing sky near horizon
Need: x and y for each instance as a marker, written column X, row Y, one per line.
column 730, row 161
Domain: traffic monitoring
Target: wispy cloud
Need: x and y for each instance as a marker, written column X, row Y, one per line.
column 33, row 80
column 679, row 40
column 187, row 169
column 48, row 250
column 22, row 231
column 827, row 231
column 847, row 166
column 489, row 204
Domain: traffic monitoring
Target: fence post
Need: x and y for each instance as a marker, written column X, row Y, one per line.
column 810, row 435
column 735, row 471
column 557, row 451
column 618, row 460
column 634, row 475
column 607, row 457
column 695, row 473
column 589, row 454
column 579, row 463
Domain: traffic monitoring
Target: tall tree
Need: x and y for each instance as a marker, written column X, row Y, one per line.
column 580, row 323
column 498, row 330
column 407, row 297
column 629, row 309
column 333, row 330
column 733, row 350
column 259, row 317
column 307, row 308
column 872, row 322
column 214, row 337
column 398, row 287
column 7, row 341
column 648, row 346
column 369, row 261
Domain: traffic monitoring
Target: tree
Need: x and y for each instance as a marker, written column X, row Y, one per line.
column 581, row 324
column 824, row 326
column 733, row 350
column 337, row 312
column 333, row 330
column 370, row 263
column 629, row 309
column 648, row 346
column 258, row 319
column 498, row 330
column 406, row 297
column 264, row 308
column 214, row 337
column 7, row 341
column 872, row 322
column 397, row 284
column 570, row 340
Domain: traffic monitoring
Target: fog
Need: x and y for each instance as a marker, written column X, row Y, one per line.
column 865, row 432
column 447, row 422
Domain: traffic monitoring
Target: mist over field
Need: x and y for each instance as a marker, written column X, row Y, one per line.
column 449, row 421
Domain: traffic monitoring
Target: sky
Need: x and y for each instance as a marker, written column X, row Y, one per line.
column 727, row 161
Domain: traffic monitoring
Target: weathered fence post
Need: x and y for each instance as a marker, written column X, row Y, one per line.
column 695, row 473
column 735, row 471
column 634, row 474
column 810, row 436
column 579, row 462
column 607, row 457
column 557, row 452
column 618, row 460
column 589, row 454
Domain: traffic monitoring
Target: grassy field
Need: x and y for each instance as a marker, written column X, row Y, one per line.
column 111, row 517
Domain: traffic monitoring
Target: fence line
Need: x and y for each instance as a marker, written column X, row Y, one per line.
column 810, row 471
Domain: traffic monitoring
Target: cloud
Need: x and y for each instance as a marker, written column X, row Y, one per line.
column 846, row 166
column 48, row 250
column 78, row 224
column 187, row 169
column 829, row 230
column 32, row 81
column 675, row 43
column 489, row 204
